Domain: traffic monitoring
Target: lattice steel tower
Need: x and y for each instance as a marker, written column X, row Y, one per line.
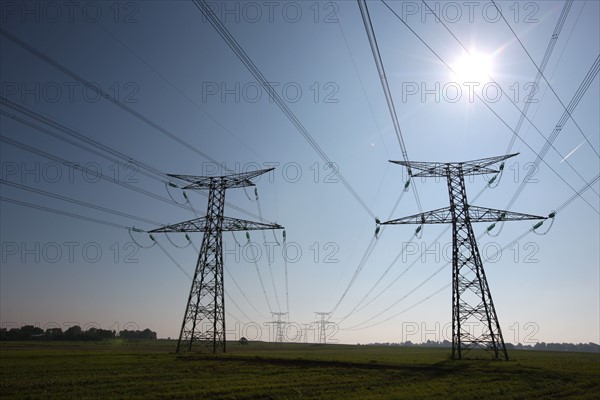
column 204, row 318
column 322, row 322
column 472, row 304
column 279, row 325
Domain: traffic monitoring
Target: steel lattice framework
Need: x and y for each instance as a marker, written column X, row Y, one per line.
column 322, row 322
column 472, row 304
column 279, row 325
column 204, row 318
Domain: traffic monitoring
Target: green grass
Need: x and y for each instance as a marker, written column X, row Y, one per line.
column 151, row 370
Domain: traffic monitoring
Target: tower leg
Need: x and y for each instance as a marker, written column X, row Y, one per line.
column 204, row 318
column 474, row 320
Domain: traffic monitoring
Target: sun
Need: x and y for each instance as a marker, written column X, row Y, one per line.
column 473, row 67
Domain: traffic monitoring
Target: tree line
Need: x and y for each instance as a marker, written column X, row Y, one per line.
column 584, row 347
column 30, row 332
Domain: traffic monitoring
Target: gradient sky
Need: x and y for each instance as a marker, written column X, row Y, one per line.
column 166, row 62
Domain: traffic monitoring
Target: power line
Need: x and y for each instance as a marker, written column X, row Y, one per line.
column 97, row 145
column 485, row 103
column 362, row 85
column 232, row 277
column 96, row 89
column 260, row 279
column 268, row 254
column 160, row 176
column 85, row 218
column 161, row 247
column 405, row 270
column 359, row 268
column 530, row 230
column 368, row 293
column 72, row 142
column 542, row 75
column 170, row 257
column 71, row 133
column 523, row 116
column 81, row 137
column 60, row 212
column 578, row 194
column 49, row 156
column 364, row 11
column 206, row 301
column 366, row 17
column 78, row 202
column 403, row 311
column 471, row 297
column 363, row 261
column 242, row 55
column 553, row 39
column 382, row 73
column 557, row 63
column 549, row 49
column 434, row 293
column 258, row 75
column 232, row 301
column 100, row 175
column 403, row 297
column 589, row 78
column 287, row 291
column 119, row 226
column 181, row 92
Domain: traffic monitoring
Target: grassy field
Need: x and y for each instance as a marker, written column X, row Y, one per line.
column 151, row 370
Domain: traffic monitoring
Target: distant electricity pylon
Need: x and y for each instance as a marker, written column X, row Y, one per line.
column 279, row 324
column 472, row 303
column 322, row 322
column 305, row 329
column 204, row 318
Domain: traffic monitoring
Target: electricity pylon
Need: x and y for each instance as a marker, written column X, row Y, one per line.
column 305, row 329
column 279, row 324
column 322, row 326
column 204, row 318
column 472, row 303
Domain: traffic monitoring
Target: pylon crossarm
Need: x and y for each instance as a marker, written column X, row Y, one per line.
column 236, row 224
column 483, row 214
column 476, row 214
column 229, row 181
column 204, row 318
column 473, row 167
column 471, row 297
column 229, row 224
column 439, row 216
column 193, row 225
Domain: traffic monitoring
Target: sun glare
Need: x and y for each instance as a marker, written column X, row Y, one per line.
column 474, row 67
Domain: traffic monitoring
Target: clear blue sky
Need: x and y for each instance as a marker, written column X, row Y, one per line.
column 167, row 63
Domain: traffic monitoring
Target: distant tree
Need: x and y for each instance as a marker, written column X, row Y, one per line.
column 98, row 334
column 145, row 334
column 540, row 346
column 30, row 332
column 73, row 333
column 54, row 333
column 148, row 334
column 244, row 341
